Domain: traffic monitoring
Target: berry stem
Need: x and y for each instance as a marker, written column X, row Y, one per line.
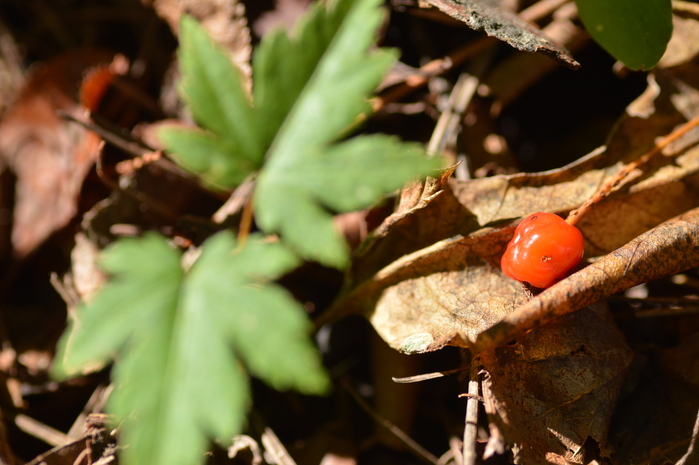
column 613, row 183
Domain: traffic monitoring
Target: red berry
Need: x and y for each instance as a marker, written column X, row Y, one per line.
column 543, row 250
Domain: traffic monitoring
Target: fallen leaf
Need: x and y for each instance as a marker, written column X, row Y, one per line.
column 431, row 276
column 553, row 393
column 499, row 22
column 667, row 249
column 49, row 155
column 654, row 424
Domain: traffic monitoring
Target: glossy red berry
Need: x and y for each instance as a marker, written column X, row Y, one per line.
column 543, row 250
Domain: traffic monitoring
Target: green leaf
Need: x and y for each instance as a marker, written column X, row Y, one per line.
column 293, row 198
column 213, row 88
column 183, row 341
column 304, row 174
column 212, row 156
column 309, row 88
column 635, row 32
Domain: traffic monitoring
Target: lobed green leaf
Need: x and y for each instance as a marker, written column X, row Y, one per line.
column 215, row 158
column 184, row 340
column 303, row 175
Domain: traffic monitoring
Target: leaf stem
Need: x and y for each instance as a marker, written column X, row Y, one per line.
column 245, row 222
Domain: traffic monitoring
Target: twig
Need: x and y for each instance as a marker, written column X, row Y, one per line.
column 159, row 207
column 50, row 436
column 235, row 202
column 439, row 66
column 613, row 183
column 426, row 376
column 433, row 68
column 94, row 404
column 471, row 420
column 448, row 121
column 274, row 447
column 419, row 451
column 242, row 442
column 136, row 149
column 691, row 455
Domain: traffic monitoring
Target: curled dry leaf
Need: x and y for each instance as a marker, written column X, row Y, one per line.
column 553, row 393
column 489, row 16
column 49, row 155
column 430, row 275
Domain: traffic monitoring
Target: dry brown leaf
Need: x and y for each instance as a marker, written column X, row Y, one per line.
column 430, row 275
column 553, row 393
column 284, row 15
column 656, row 423
column 669, row 248
column 490, row 16
column 520, row 71
column 49, row 155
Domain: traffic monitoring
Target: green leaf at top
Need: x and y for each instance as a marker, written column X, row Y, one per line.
column 242, row 127
column 183, row 340
column 305, row 174
column 636, row 32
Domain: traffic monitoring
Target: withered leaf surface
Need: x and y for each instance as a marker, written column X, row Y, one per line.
column 430, row 275
column 49, row 155
column 667, row 249
column 555, row 390
column 489, row 16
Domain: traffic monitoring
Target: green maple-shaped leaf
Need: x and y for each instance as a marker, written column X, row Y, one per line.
column 309, row 87
column 183, row 342
column 306, row 173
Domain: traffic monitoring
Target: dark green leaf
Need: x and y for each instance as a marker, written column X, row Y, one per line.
column 635, row 32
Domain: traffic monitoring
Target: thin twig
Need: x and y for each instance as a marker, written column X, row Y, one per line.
column 613, row 183
column 447, row 124
column 273, row 446
column 93, row 405
column 426, row 376
column 235, row 202
column 442, row 65
column 419, row 451
column 471, row 420
column 433, row 68
column 39, row 430
column 691, row 455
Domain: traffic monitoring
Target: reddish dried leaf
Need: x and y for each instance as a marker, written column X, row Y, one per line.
column 49, row 155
